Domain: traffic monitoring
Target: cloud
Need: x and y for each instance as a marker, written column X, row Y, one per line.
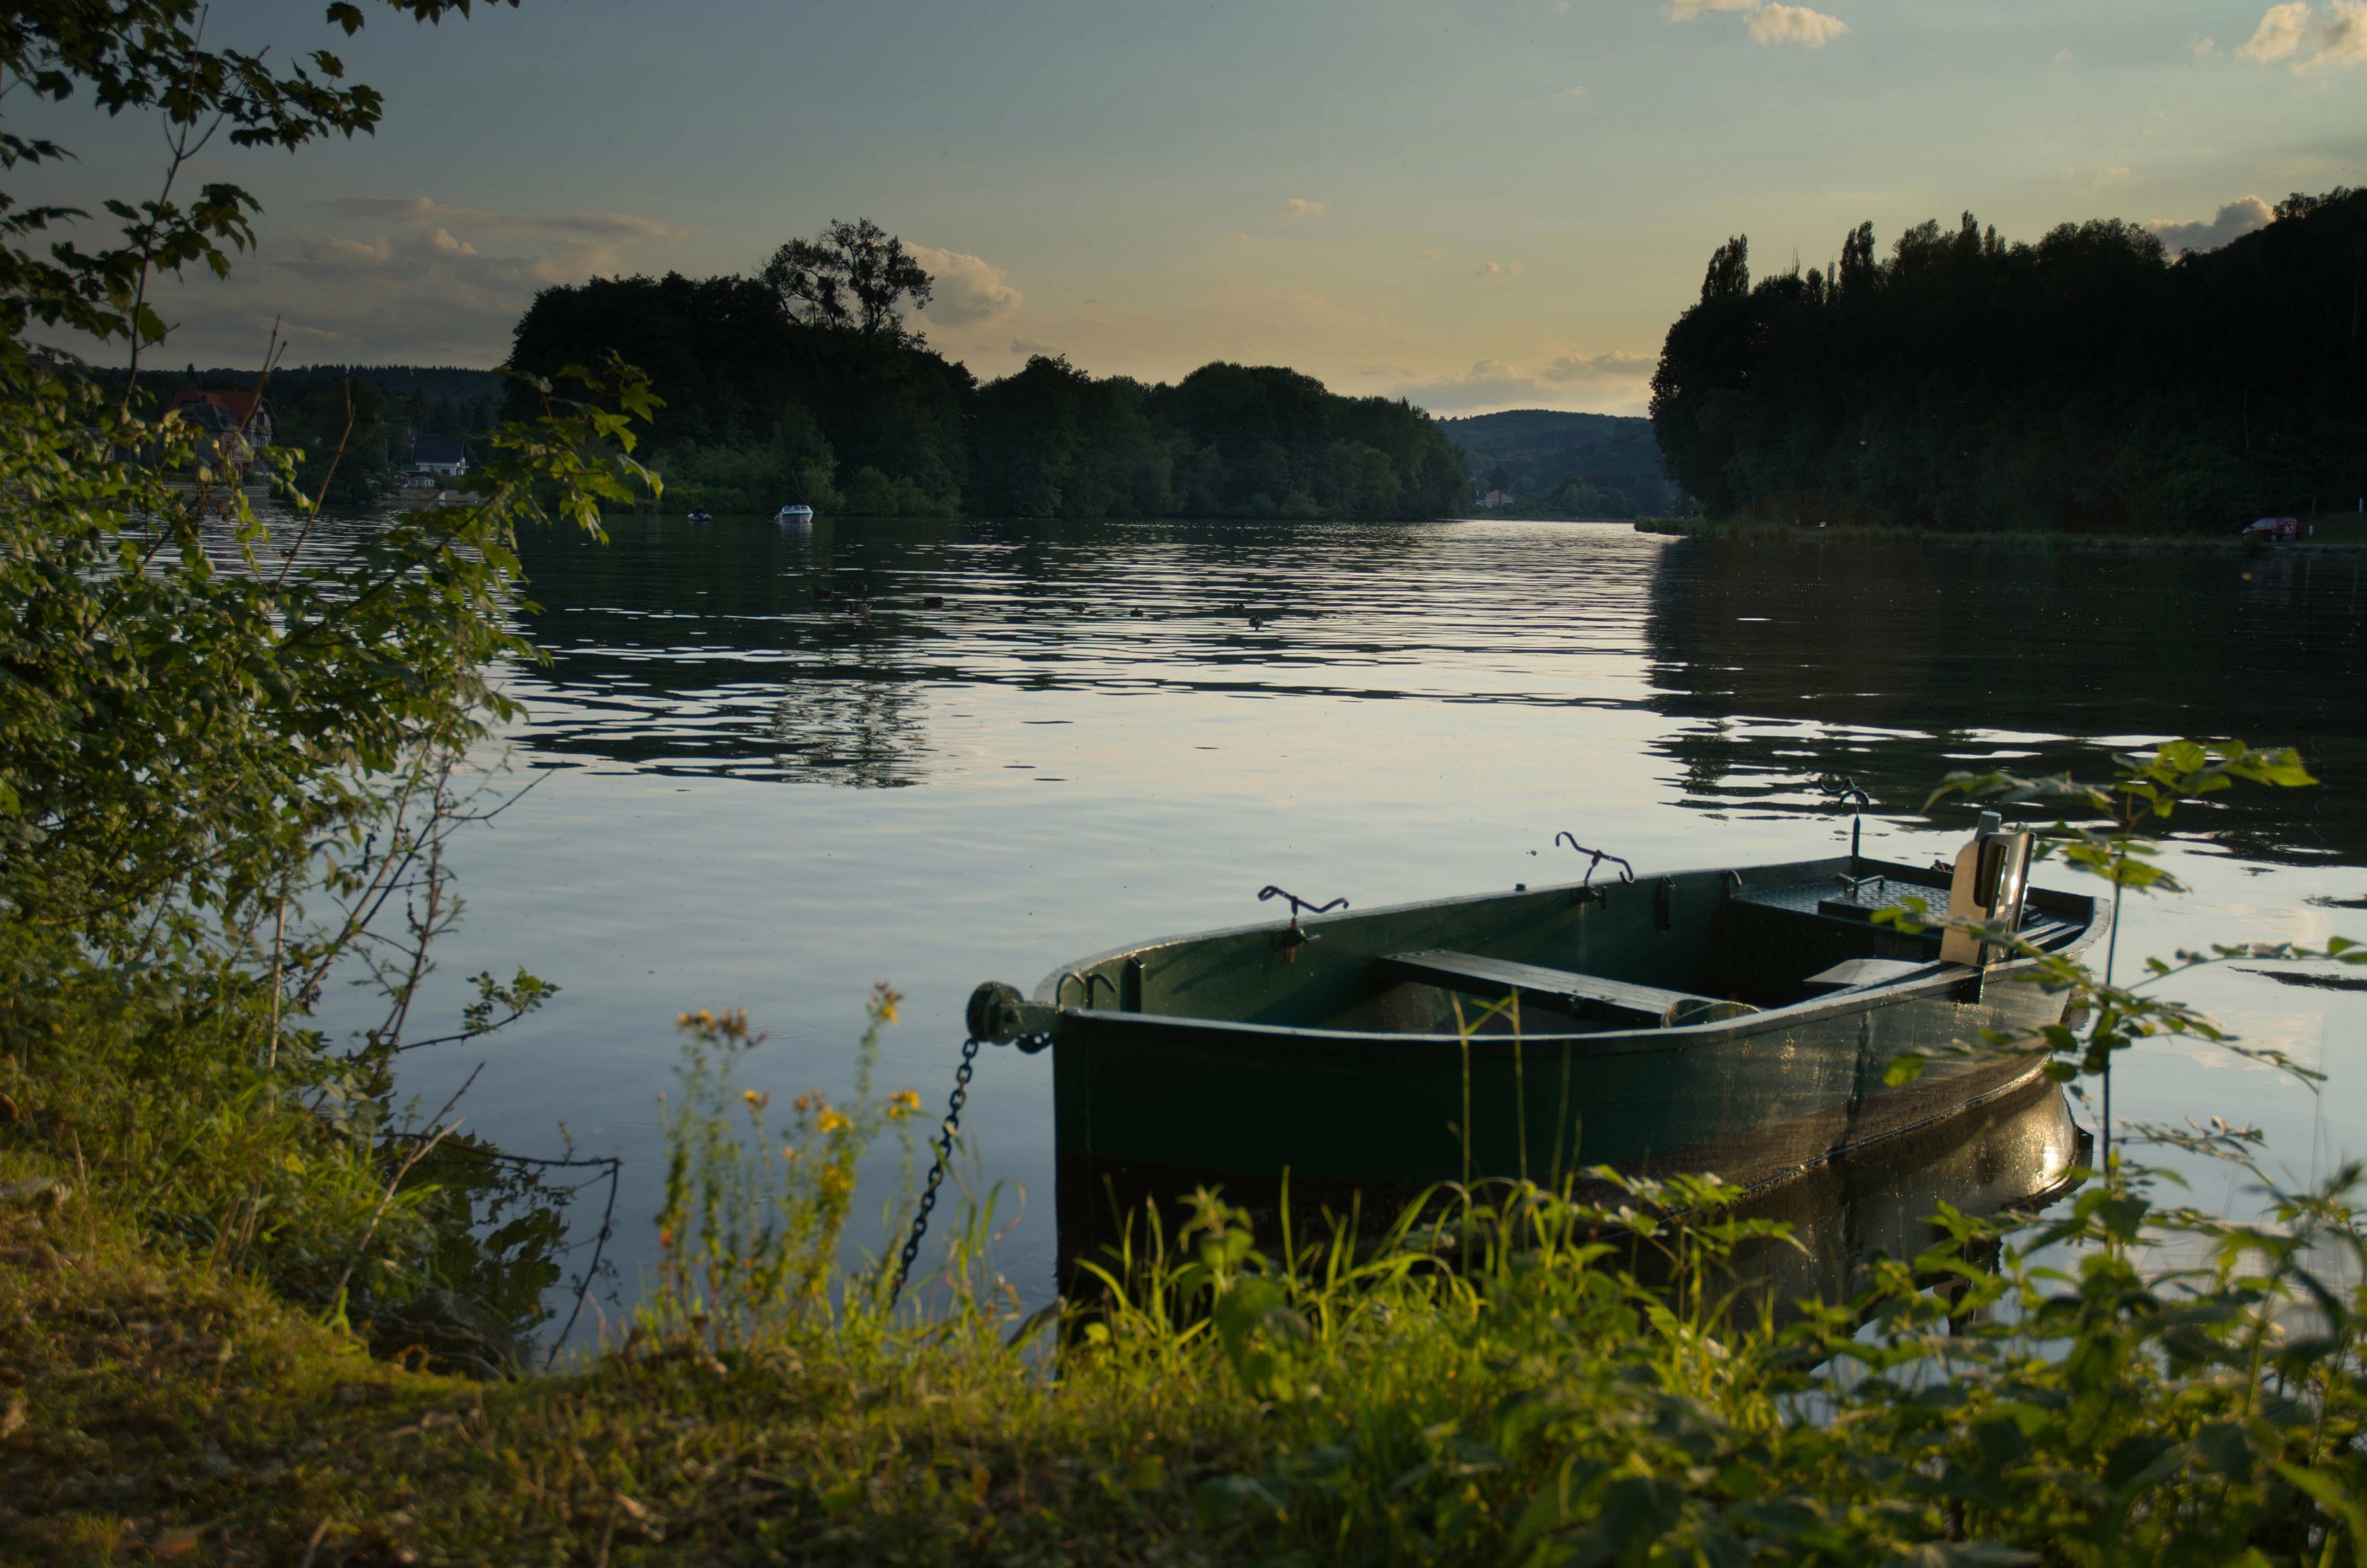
column 969, row 290
column 1617, row 364
column 1769, row 23
column 2295, row 31
column 1299, row 207
column 1613, row 382
column 598, row 229
column 2117, row 174
column 403, row 279
column 2062, row 57
column 2239, row 217
column 1774, row 23
column 1031, row 348
column 1570, row 93
column 1498, row 269
column 1428, row 254
column 2201, row 47
column 2282, row 30
column 2343, row 36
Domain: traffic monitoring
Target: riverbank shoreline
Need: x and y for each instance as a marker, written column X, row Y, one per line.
column 2345, row 535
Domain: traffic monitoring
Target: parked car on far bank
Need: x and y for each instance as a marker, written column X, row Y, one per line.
column 2277, row 530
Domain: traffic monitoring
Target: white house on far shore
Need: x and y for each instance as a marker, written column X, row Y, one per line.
column 446, row 457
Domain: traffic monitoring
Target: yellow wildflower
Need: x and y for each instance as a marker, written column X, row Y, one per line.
column 756, row 1101
column 904, row 1102
column 831, row 1121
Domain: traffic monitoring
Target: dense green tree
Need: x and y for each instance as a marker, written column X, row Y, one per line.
column 2087, row 381
column 897, row 428
column 855, row 275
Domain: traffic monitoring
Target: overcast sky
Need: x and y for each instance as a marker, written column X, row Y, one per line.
column 1486, row 205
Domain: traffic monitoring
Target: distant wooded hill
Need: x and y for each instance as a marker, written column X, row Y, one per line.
column 1568, row 465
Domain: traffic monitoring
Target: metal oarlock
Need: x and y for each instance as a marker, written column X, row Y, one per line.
column 1291, row 938
column 1626, row 871
column 1844, row 791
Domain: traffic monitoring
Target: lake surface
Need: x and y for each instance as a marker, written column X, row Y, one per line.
column 756, row 797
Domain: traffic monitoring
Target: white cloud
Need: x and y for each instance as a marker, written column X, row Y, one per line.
column 2343, row 36
column 1299, row 207
column 2280, row 32
column 597, row 229
column 1686, row 10
column 2062, row 57
column 2239, row 217
column 1498, row 269
column 2201, row 47
column 1571, row 93
column 404, row 278
column 1613, row 382
column 1774, row 23
column 969, row 290
column 2117, row 174
column 1617, row 364
column 1028, row 347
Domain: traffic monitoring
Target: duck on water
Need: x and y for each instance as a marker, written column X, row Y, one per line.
column 1738, row 1020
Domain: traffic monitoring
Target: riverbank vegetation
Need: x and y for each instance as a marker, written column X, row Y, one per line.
column 1545, row 1380
column 2086, row 383
column 769, row 397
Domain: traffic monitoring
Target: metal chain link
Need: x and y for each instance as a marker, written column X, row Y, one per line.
column 945, row 1131
column 1029, row 1045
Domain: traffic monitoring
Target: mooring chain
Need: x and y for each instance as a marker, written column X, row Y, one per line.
column 947, row 1130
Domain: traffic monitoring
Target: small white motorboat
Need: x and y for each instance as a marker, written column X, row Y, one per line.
column 795, row 511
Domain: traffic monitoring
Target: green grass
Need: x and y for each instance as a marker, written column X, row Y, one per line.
column 1216, row 1402
column 1510, row 1375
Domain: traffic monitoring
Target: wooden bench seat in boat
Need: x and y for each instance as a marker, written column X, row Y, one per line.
column 1622, row 1003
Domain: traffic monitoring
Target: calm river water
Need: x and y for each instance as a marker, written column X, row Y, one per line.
column 760, row 798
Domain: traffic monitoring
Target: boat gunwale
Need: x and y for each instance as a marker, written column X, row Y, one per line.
column 1644, row 1038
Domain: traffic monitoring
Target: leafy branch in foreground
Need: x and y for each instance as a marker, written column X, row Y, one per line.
column 226, row 742
column 2112, row 844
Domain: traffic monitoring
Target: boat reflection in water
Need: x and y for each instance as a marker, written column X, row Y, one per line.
column 2020, row 1150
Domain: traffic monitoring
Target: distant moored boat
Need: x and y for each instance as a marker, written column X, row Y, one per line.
column 700, row 514
column 795, row 511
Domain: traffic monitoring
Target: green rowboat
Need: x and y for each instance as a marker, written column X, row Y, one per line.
column 1739, row 1021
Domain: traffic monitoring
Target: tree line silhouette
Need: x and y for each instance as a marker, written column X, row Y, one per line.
column 2086, row 383
column 806, row 383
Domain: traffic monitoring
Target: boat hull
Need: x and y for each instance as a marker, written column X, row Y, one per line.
column 2017, row 1149
column 1153, row 1097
